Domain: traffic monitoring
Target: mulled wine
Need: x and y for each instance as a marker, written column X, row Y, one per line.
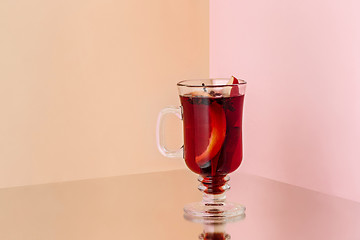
column 212, row 133
column 211, row 110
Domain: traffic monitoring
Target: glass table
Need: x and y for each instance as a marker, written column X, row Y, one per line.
column 149, row 206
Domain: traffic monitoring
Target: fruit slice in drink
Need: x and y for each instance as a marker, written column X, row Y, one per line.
column 232, row 91
column 217, row 136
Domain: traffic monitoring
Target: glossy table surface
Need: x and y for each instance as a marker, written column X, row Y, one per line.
column 149, row 206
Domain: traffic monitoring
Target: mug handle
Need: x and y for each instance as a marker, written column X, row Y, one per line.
column 160, row 133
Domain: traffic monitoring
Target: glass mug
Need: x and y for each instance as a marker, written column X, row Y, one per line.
column 211, row 111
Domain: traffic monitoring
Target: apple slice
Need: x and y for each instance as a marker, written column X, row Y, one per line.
column 232, row 91
column 217, row 136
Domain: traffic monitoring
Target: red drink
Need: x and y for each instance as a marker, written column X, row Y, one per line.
column 212, row 133
column 212, row 115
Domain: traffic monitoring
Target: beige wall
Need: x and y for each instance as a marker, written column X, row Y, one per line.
column 81, row 83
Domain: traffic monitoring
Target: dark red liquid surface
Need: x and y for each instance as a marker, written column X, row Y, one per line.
column 212, row 134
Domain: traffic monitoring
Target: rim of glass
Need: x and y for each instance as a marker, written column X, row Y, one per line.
column 186, row 83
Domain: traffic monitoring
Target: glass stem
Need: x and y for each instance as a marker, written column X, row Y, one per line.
column 214, row 198
column 213, row 188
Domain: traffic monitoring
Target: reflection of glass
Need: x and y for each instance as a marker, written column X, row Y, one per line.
column 212, row 115
column 214, row 230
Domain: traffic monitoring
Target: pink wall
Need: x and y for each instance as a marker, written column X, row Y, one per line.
column 302, row 111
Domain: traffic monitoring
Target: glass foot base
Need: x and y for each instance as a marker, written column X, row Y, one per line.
column 214, row 210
